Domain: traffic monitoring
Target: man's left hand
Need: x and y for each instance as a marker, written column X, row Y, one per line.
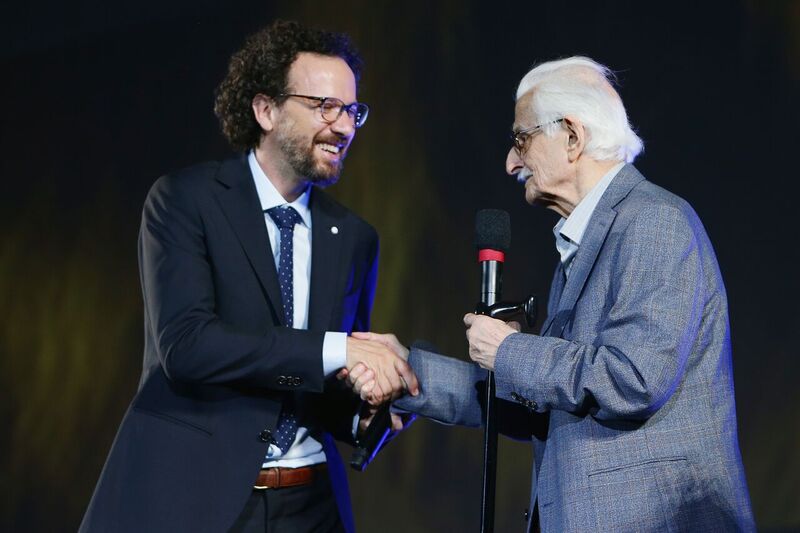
column 484, row 335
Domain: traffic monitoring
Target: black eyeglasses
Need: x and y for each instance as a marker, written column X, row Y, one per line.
column 519, row 138
column 332, row 108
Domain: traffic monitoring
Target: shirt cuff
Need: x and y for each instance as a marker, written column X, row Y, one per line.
column 334, row 352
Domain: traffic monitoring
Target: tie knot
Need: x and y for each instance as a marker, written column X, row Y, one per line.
column 285, row 217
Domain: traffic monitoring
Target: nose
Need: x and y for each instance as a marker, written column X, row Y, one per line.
column 344, row 126
column 514, row 164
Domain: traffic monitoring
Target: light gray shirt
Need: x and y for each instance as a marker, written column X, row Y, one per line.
column 569, row 231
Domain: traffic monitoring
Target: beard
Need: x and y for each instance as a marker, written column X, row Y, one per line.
column 299, row 154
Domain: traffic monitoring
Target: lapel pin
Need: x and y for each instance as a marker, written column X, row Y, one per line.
column 334, row 230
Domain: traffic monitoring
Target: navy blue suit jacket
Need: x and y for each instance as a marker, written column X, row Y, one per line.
column 217, row 358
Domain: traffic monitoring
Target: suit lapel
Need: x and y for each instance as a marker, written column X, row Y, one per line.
column 593, row 239
column 328, row 238
column 582, row 265
column 556, row 288
column 239, row 202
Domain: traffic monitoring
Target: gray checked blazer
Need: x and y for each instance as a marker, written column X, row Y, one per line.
column 627, row 394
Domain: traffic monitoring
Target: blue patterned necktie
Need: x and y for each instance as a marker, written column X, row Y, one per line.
column 285, row 218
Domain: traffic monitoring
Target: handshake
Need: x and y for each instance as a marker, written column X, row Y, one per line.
column 377, row 364
column 377, row 370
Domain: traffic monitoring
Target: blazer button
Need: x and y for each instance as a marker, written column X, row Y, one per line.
column 297, row 381
column 265, row 436
column 515, row 396
column 281, row 380
column 526, row 514
column 531, row 405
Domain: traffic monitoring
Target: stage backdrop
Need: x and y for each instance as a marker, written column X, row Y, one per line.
column 100, row 99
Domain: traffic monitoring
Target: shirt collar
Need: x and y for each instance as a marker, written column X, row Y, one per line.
column 573, row 227
column 269, row 196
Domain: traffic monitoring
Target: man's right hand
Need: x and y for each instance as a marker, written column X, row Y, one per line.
column 393, row 376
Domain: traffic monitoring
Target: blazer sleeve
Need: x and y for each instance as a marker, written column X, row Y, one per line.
column 644, row 338
column 193, row 344
column 452, row 392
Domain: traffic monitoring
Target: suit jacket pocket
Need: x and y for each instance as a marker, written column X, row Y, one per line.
column 600, row 473
column 171, row 419
column 638, row 496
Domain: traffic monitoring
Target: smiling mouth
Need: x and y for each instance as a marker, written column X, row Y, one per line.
column 334, row 149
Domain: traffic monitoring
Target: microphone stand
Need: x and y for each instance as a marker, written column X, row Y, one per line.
column 489, row 457
column 502, row 311
column 491, row 285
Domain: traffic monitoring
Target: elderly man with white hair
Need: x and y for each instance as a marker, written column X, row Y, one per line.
column 627, row 392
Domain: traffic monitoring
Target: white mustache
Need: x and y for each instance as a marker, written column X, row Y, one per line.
column 523, row 175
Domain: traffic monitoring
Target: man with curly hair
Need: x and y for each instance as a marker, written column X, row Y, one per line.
column 252, row 279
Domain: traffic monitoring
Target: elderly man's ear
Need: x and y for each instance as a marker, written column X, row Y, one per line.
column 576, row 138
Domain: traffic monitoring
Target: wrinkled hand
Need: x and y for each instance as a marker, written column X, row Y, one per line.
column 389, row 375
column 484, row 335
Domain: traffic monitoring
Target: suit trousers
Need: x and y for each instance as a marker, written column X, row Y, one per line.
column 307, row 508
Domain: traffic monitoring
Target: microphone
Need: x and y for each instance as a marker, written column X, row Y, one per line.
column 372, row 440
column 492, row 239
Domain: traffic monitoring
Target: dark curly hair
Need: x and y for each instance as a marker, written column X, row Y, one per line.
column 262, row 67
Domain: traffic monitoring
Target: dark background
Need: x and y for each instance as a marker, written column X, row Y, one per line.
column 99, row 99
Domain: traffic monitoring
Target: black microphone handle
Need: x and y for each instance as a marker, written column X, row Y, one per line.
column 373, row 438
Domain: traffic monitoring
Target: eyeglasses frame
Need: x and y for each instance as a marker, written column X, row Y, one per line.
column 520, row 138
column 342, row 106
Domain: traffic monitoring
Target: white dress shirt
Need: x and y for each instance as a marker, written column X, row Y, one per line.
column 305, row 450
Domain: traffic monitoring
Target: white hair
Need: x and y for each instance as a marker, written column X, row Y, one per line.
column 581, row 87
